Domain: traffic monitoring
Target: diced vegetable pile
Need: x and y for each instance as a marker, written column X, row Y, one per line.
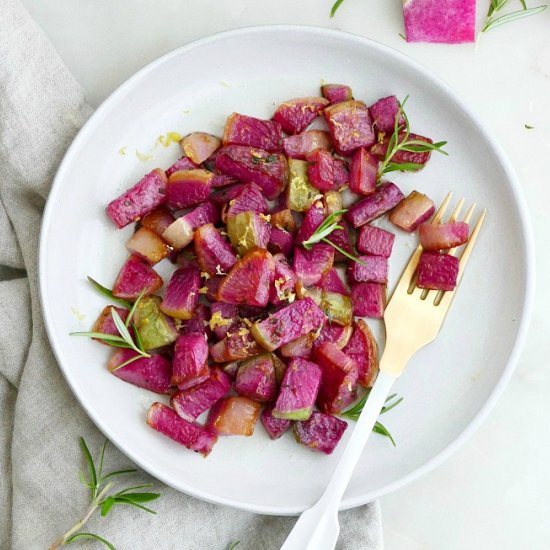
column 262, row 316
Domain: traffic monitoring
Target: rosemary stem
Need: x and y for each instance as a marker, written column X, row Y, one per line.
column 87, row 515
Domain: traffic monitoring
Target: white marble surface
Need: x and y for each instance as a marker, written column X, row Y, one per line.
column 494, row 492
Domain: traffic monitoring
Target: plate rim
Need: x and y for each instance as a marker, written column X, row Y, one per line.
column 526, row 237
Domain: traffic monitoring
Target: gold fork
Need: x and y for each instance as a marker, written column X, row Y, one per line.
column 413, row 318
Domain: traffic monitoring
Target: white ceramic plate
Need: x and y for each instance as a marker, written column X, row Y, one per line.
column 448, row 387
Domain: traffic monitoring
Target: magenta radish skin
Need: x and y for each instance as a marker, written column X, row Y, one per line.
column 136, row 277
column 182, row 293
column 147, row 245
column 183, row 163
column 249, row 281
column 198, row 324
column 105, row 323
column 199, row 146
column 375, row 241
column 336, row 93
column 374, row 269
column 369, row 300
column 299, row 390
column 443, row 236
column 234, row 416
column 223, row 180
column 350, row 126
column 451, row 22
column 267, row 170
column 248, row 198
column 331, row 282
column 252, row 132
column 385, row 198
column 341, row 173
column 384, row 112
column 191, row 403
column 335, row 334
column 338, row 387
column 295, row 115
column 437, row 271
column 164, row 420
column 363, row 350
column 321, row 170
column 280, row 241
column 187, row 188
column 144, row 196
column 321, row 432
column 310, row 265
column 287, row 324
column 223, row 318
column 342, row 239
column 189, row 366
column 237, row 345
column 284, row 281
column 151, row 373
column 314, row 217
column 412, row 212
column 300, row 145
column 214, row 253
column 363, row 172
column 256, row 379
column 275, row 427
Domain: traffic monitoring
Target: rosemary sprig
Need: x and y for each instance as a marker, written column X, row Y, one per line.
column 109, row 293
column 354, row 412
column 497, row 5
column 335, row 7
column 329, row 225
column 233, row 545
column 103, row 498
column 125, row 339
column 400, row 141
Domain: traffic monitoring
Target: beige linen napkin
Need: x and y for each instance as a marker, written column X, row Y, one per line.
column 41, row 109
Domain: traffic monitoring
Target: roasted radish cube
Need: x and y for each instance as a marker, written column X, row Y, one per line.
column 267, row 170
column 234, row 416
column 343, row 239
column 214, row 253
column 443, row 236
column 275, row 427
column 337, row 307
column 385, row 198
column 105, row 323
column 321, row 432
column 152, row 373
column 437, row 271
column 247, row 230
column 154, row 327
column 256, row 379
column 231, row 369
column 350, row 126
column 282, row 289
column 280, row 241
column 331, row 282
column 183, row 163
column 300, row 145
column 363, row 172
column 180, row 233
column 384, row 112
column 314, row 217
column 380, row 148
column 375, row 241
column 189, row 366
column 199, row 321
column 254, row 132
column 164, row 420
column 296, row 115
column 363, row 350
column 182, row 293
column 287, row 324
column 336, row 334
column 300, row 193
column 336, row 93
column 248, row 198
column 223, row 180
column 373, row 269
column 199, row 146
column 211, row 287
column 147, row 245
column 332, row 201
column 249, row 280
column 299, row 390
column 223, row 318
column 220, row 197
column 341, row 173
column 238, row 344
column 429, row 22
column 191, row 403
column 144, row 196
column 301, row 347
column 188, row 187
column 157, row 220
column 338, row 380
column 369, row 300
column 136, row 277
column 321, row 170
column 412, row 212
column 283, row 219
column 310, row 265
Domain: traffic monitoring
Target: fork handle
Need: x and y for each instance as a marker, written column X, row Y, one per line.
column 317, row 528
